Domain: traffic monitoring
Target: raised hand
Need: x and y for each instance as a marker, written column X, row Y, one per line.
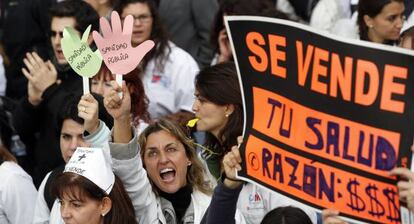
column 115, row 45
column 34, row 95
column 231, row 163
column 40, row 74
column 88, row 109
column 78, row 53
column 119, row 109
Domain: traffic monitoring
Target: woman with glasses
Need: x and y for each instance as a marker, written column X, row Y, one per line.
column 167, row 71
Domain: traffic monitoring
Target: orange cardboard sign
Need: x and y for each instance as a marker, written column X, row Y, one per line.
column 322, row 185
column 338, row 140
column 326, row 119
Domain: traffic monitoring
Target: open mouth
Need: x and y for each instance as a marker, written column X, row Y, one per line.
column 59, row 54
column 167, row 174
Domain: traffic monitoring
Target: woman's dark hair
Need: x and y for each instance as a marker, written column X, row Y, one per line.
column 83, row 13
column 69, row 110
column 139, row 101
column 79, row 187
column 161, row 50
column 219, row 84
column 237, row 7
column 370, row 8
column 286, row 215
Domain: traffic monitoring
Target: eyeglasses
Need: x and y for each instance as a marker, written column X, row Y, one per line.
column 145, row 18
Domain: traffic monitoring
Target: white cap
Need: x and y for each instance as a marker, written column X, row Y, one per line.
column 95, row 164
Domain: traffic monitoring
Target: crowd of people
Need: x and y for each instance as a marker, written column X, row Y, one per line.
column 106, row 157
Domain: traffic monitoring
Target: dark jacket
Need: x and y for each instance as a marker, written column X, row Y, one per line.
column 189, row 24
column 223, row 205
column 42, row 120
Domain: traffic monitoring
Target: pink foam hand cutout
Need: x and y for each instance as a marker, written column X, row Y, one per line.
column 115, row 45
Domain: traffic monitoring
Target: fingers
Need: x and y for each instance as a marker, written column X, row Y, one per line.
column 329, row 212
column 112, row 100
column 105, row 27
column 37, row 58
column 403, row 172
column 404, row 194
column 115, row 86
column 116, row 22
column 404, row 185
column 28, row 65
column 27, row 74
column 97, row 38
column 88, row 101
column 51, row 67
column 143, row 49
column 239, row 140
column 32, row 61
column 330, row 216
column 125, row 89
column 223, row 33
column 85, row 34
column 128, row 25
column 334, row 220
column 236, row 153
column 232, row 159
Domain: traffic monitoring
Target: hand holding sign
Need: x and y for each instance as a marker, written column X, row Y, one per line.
column 231, row 164
column 119, row 109
column 405, row 186
column 88, row 110
column 115, row 46
column 79, row 56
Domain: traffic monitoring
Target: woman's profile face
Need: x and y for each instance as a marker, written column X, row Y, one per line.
column 166, row 161
column 212, row 117
column 75, row 210
column 387, row 24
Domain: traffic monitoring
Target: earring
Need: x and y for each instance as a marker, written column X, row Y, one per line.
column 227, row 115
column 189, row 163
column 103, row 214
column 370, row 26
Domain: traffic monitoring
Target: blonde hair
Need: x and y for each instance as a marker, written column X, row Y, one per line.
column 195, row 172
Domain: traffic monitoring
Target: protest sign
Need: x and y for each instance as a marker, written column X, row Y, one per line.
column 80, row 56
column 115, row 45
column 326, row 118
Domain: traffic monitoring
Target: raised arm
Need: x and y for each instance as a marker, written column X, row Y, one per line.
column 127, row 163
